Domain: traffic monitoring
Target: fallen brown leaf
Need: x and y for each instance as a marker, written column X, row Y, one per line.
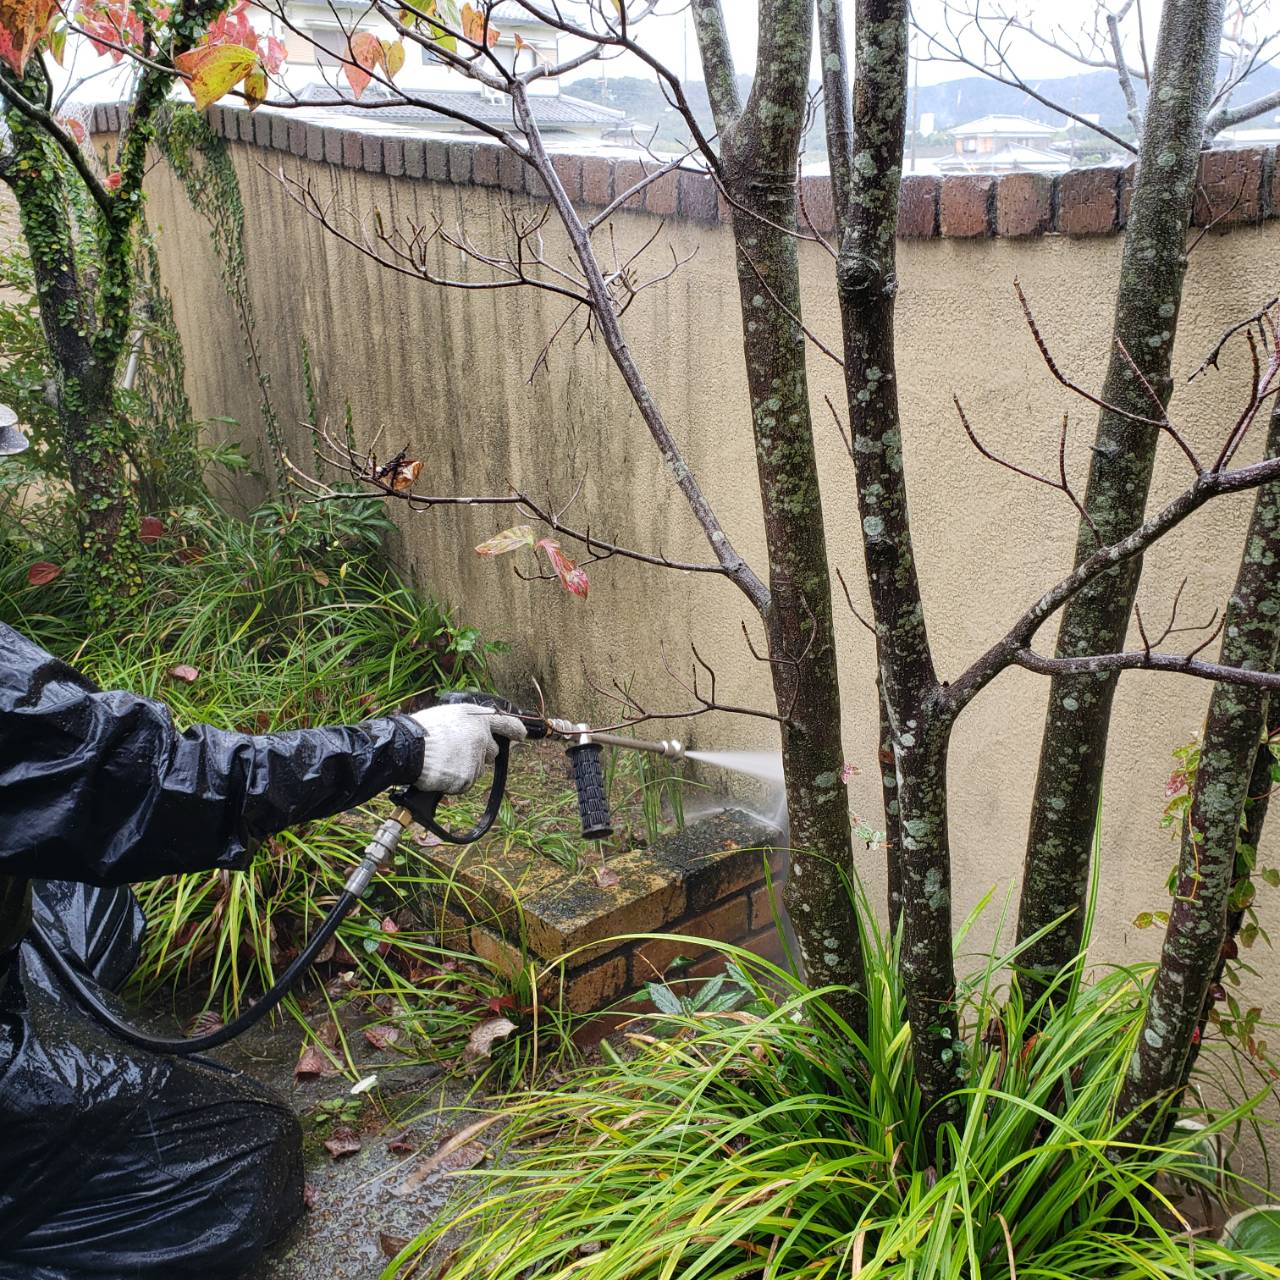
column 382, row 1037
column 391, row 1245
column 314, row 1064
column 468, row 1154
column 343, row 1143
column 485, row 1035
column 206, row 1021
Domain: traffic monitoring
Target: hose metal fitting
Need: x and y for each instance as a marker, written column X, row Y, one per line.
column 377, row 852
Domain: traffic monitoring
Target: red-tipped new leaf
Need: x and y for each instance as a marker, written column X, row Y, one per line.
column 572, row 578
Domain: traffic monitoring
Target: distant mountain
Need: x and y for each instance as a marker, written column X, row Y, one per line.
column 952, row 102
column 1097, row 92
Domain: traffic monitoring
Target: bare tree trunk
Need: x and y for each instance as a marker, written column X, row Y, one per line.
column 865, row 151
column 1073, row 749
column 1256, row 804
column 1237, row 717
column 759, row 149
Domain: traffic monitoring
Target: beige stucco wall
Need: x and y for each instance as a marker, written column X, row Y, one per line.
column 448, row 374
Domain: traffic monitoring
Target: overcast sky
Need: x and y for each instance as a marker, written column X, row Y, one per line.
column 670, row 34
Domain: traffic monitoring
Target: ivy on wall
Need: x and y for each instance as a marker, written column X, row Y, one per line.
column 202, row 162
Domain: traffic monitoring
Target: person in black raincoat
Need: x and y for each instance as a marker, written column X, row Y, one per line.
column 114, row 1162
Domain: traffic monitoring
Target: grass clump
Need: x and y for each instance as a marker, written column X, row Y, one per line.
column 767, row 1140
column 286, row 619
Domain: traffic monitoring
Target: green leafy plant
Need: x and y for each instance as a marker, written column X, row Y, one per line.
column 337, row 1112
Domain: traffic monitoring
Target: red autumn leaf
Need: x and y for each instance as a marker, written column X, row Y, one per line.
column 42, row 573
column 188, row 675
column 382, row 1038
column 74, row 128
column 498, row 1003
column 572, row 578
column 150, row 528
column 343, row 1143
column 367, row 55
column 111, row 25
column 22, row 23
column 389, row 926
column 112, row 181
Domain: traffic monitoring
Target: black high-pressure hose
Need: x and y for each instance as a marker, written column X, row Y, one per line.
column 376, row 853
column 185, row 1046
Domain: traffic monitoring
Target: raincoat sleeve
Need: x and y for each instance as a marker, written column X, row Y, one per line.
column 103, row 788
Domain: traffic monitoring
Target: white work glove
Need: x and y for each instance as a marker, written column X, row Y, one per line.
column 460, row 738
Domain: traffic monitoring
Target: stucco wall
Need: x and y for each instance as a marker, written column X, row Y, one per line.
column 448, row 374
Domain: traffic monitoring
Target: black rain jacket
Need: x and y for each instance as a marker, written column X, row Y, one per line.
column 101, row 787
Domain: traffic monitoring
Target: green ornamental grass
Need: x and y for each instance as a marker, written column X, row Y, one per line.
column 768, row 1141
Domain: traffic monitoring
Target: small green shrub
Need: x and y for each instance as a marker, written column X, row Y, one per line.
column 767, row 1140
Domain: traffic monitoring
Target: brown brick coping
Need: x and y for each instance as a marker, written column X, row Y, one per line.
column 1236, row 187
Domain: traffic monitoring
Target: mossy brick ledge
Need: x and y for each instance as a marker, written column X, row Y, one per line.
column 711, row 881
column 1237, row 187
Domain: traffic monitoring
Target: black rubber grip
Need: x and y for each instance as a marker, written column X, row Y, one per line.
column 593, row 803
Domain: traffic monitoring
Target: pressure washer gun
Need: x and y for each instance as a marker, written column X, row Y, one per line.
column 583, row 750
column 584, row 754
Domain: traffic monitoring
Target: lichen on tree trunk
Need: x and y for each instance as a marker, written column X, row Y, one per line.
column 759, row 152
column 865, row 134
column 1207, row 864
column 1153, row 265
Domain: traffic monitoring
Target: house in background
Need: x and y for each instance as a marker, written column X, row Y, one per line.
column 1004, row 144
column 313, row 73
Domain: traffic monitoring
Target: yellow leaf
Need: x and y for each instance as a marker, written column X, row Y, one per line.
column 392, row 57
column 474, row 27
column 22, row 23
column 255, row 87
column 520, row 535
column 213, row 70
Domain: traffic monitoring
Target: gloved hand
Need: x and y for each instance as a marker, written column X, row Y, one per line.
column 460, row 739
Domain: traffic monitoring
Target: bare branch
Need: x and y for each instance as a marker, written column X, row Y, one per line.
column 1062, row 485
column 1145, row 660
column 364, row 468
column 1015, row 643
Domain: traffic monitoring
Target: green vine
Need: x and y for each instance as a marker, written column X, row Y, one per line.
column 83, row 298
column 202, row 162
